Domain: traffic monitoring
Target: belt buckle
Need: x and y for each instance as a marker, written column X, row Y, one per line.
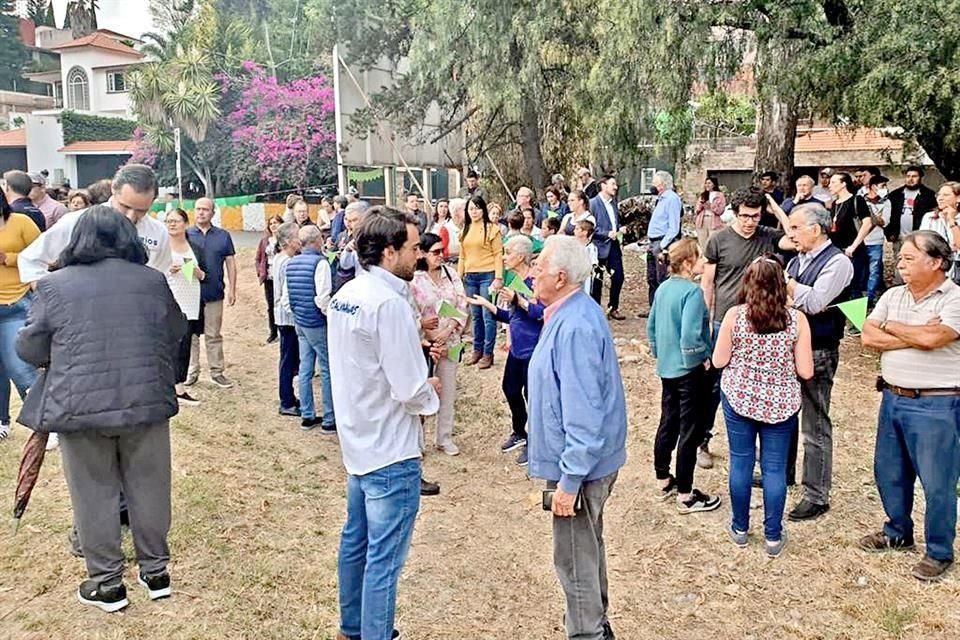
column 913, row 394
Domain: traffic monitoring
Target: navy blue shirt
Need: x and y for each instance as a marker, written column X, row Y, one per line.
column 525, row 326
column 217, row 246
column 26, row 207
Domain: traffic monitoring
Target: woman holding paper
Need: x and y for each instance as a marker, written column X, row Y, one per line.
column 442, row 303
column 184, row 278
column 525, row 316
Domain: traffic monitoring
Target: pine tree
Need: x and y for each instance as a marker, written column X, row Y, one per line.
column 13, row 54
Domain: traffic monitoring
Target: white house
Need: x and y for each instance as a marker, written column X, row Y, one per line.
column 90, row 80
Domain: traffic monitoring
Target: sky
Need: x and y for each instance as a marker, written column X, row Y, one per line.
column 129, row 17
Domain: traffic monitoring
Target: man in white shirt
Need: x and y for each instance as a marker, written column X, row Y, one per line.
column 380, row 389
column 134, row 190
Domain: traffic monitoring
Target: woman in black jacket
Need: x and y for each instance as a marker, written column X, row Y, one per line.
column 105, row 328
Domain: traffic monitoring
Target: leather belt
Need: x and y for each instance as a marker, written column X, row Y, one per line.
column 920, row 393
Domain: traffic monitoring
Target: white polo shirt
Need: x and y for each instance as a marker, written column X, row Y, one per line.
column 378, row 372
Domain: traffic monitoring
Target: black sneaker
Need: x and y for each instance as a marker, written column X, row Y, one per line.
column 308, row 424
column 522, row 458
column 806, row 510
column 608, row 632
column 109, row 599
column 328, row 429
column 429, row 488
column 698, row 502
column 157, row 586
column 185, row 399
column 512, row 443
column 668, row 491
column 293, row 412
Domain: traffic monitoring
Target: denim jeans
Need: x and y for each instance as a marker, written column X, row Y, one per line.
column 580, row 558
column 381, row 510
column 919, row 437
column 817, row 427
column 874, row 272
column 742, row 435
column 484, row 322
column 313, row 350
column 289, row 364
column 12, row 318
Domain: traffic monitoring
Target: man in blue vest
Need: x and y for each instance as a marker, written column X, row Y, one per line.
column 818, row 278
column 308, row 287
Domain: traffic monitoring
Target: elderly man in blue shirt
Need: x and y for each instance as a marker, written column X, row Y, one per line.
column 664, row 228
column 577, row 429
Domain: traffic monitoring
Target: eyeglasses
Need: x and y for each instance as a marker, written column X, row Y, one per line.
column 744, row 216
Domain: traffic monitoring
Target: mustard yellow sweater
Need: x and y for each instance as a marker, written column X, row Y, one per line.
column 18, row 232
column 479, row 254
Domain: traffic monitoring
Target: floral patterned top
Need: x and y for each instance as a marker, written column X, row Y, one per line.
column 761, row 381
column 428, row 295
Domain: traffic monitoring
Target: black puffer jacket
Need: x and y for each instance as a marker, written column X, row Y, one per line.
column 107, row 333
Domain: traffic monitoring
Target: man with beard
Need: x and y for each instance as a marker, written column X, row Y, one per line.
column 380, row 389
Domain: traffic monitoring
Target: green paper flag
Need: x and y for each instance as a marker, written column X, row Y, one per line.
column 188, row 268
column 520, row 287
column 447, row 310
column 620, row 237
column 508, row 277
column 552, row 214
column 454, row 352
column 331, row 256
column 220, row 203
column 855, row 310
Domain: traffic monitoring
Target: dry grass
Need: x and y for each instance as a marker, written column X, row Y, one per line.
column 258, row 506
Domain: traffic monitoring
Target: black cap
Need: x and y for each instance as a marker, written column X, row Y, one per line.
column 879, row 180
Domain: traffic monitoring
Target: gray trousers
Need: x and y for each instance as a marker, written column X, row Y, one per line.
column 817, row 428
column 580, row 558
column 99, row 464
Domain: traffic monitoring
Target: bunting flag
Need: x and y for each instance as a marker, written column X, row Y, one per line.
column 188, row 268
column 370, row 175
column 447, row 310
column 331, row 256
column 855, row 310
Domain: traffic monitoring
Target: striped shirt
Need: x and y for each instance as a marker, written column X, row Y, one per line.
column 913, row 368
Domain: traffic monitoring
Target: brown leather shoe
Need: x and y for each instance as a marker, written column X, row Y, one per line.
column 485, row 362
column 474, row 358
column 930, row 569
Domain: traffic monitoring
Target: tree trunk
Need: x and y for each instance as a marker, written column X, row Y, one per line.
column 945, row 158
column 777, row 131
column 534, row 166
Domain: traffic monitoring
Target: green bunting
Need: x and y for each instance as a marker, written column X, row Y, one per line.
column 855, row 310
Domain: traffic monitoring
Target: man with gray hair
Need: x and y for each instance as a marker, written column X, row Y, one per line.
column 577, row 429
column 664, row 228
column 804, row 195
column 916, row 327
column 134, row 190
column 308, row 283
column 817, row 279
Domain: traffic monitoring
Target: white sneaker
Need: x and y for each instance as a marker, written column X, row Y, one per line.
column 53, row 441
column 449, row 448
column 4, row 430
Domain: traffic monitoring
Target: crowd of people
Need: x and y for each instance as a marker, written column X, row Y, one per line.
column 385, row 305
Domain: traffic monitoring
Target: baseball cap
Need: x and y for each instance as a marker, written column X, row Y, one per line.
column 36, row 178
column 826, row 171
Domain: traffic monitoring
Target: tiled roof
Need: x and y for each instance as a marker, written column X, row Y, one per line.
column 100, row 41
column 100, row 146
column 13, row 138
column 845, row 140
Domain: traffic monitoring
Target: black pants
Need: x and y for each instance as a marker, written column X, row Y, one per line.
column 656, row 270
column 183, row 357
column 289, row 365
column 613, row 264
column 681, row 427
column 515, row 389
column 268, row 294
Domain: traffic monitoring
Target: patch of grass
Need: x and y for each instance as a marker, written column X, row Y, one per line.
column 896, row 620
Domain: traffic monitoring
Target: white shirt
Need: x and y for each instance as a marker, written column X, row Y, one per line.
column 322, row 283
column 185, row 292
column 608, row 204
column 378, row 372
column 35, row 260
column 281, row 297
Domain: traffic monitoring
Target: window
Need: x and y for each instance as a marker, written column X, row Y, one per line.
column 116, row 82
column 78, row 90
column 646, row 180
column 57, row 88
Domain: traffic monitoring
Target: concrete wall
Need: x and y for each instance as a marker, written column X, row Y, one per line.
column 88, row 59
column 44, row 138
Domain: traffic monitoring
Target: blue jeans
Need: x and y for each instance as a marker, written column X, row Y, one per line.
column 12, row 318
column 874, row 272
column 919, row 437
column 774, row 442
column 381, row 510
column 484, row 322
column 313, row 349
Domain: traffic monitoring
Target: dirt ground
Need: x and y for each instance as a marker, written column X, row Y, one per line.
column 258, row 506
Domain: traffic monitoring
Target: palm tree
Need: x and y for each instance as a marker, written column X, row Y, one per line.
column 82, row 15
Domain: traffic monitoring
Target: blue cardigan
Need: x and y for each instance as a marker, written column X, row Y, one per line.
column 525, row 326
column 578, row 414
column 679, row 328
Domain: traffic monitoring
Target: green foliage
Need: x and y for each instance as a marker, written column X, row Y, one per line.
column 79, row 127
column 40, row 12
column 719, row 113
column 13, row 55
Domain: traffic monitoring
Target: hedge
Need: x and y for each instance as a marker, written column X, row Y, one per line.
column 78, row 127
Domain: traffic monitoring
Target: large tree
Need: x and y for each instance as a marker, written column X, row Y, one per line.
column 13, row 55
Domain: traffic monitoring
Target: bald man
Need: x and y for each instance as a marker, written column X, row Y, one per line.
column 218, row 251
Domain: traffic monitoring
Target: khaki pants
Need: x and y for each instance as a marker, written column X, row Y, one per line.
column 212, row 323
